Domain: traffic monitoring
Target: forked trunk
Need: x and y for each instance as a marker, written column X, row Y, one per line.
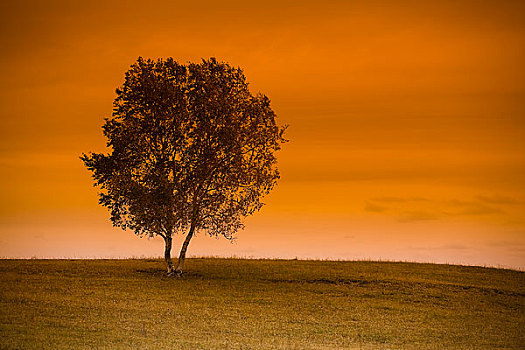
column 167, row 255
column 182, row 255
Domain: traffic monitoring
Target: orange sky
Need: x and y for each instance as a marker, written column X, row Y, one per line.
column 407, row 123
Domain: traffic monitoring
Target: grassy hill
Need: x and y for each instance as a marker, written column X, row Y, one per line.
column 258, row 304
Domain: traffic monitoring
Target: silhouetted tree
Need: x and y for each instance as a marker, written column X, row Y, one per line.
column 192, row 150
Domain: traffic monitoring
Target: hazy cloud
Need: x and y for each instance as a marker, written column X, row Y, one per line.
column 412, row 216
column 506, row 243
column 375, row 208
column 459, row 207
column 496, row 199
column 450, row 246
column 387, row 199
column 419, row 199
column 393, row 199
column 414, row 208
column 453, row 247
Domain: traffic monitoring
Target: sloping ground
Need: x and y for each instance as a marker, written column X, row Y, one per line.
column 258, row 304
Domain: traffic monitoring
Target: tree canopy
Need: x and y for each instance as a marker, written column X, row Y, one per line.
column 191, row 150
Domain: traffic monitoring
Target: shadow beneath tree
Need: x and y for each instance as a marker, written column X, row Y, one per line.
column 157, row 272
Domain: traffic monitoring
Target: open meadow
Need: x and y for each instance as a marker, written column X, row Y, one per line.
column 258, row 304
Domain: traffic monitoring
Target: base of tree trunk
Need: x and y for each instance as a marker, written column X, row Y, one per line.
column 174, row 273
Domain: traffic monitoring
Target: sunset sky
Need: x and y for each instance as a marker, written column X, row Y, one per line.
column 407, row 123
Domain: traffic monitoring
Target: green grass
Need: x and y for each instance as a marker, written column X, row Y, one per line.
column 258, row 304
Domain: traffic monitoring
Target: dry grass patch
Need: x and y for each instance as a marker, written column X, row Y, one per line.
column 258, row 304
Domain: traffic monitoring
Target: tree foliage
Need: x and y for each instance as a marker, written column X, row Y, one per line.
column 191, row 150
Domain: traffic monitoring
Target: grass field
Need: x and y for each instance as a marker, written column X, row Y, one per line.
column 259, row 304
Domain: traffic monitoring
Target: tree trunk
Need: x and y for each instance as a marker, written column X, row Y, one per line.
column 167, row 255
column 182, row 255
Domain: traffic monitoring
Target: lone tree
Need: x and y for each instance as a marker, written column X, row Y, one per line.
column 192, row 150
